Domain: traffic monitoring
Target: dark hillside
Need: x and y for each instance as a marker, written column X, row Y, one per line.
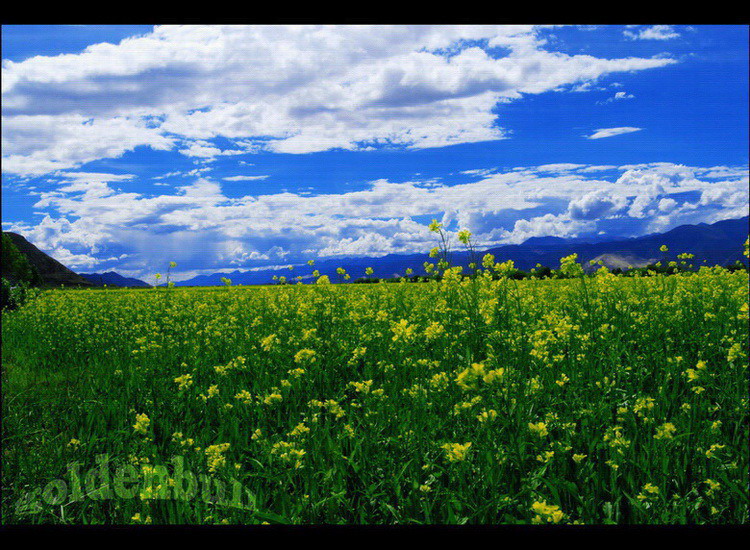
column 50, row 271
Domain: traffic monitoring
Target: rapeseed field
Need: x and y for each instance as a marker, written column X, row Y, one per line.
column 469, row 399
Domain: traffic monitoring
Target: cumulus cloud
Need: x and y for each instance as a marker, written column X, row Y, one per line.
column 597, row 204
column 610, row 132
column 288, row 89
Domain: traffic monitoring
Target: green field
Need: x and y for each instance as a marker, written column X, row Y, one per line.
column 597, row 399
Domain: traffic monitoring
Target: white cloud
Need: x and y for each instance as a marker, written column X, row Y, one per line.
column 597, row 204
column 654, row 32
column 87, row 219
column 204, row 149
column 548, row 224
column 609, row 132
column 293, row 89
column 617, row 97
column 667, row 205
column 39, row 144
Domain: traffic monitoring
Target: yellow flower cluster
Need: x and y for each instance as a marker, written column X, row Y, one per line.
column 215, row 456
column 142, row 422
column 546, row 513
column 455, row 452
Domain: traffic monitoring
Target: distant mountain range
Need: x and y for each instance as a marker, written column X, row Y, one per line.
column 720, row 243
column 110, row 278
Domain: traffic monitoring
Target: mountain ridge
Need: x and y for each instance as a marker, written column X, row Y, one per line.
column 717, row 243
column 112, row 278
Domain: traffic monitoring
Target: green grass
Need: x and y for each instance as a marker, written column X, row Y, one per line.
column 398, row 372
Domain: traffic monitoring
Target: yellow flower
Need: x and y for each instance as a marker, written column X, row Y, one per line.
column 215, row 456
column 540, row 428
column 142, row 422
column 712, row 486
column 735, row 352
column 184, row 381
column 268, row 342
column 488, row 261
column 402, row 330
column 546, row 456
column 289, row 452
column 299, row 429
column 643, row 406
column 535, row 385
column 468, row 378
column 649, row 491
column 711, row 452
column 361, row 387
column 138, row 519
column 665, row 431
column 245, row 396
column 455, row 452
column 304, row 356
column 487, row 416
column 492, row 376
column 548, row 513
column 213, row 391
column 272, row 398
column 614, row 438
column 578, row 458
column 569, row 267
column 434, row 330
column 296, row 373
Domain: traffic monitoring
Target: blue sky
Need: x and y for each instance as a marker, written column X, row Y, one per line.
column 227, row 148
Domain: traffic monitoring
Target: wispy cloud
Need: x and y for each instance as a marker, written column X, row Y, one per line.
column 609, row 132
column 245, row 178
